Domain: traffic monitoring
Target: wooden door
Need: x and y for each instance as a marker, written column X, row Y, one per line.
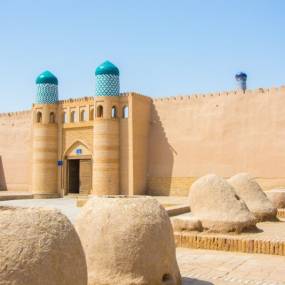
column 73, row 176
column 85, row 176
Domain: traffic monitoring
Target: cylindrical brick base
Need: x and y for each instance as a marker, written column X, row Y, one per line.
column 106, row 157
column 44, row 162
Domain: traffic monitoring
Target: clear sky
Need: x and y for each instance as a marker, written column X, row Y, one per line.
column 162, row 47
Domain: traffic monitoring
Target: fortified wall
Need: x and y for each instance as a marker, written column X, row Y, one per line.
column 223, row 133
column 15, row 150
column 127, row 143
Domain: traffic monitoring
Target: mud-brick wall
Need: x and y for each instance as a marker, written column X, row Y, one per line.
column 139, row 143
column 15, row 151
column 223, row 133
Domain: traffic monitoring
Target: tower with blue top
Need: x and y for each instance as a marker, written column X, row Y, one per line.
column 241, row 80
column 45, row 137
column 106, row 128
column 107, row 79
column 47, row 90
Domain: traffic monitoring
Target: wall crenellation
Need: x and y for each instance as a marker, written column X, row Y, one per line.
column 80, row 99
column 260, row 91
column 178, row 98
column 18, row 114
column 90, row 98
column 131, row 93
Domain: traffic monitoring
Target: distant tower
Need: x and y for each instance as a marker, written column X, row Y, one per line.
column 106, row 131
column 45, row 134
column 241, row 80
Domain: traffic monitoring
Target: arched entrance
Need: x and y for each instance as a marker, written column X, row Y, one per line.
column 78, row 171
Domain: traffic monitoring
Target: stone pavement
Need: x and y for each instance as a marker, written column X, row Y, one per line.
column 268, row 238
column 207, row 267
column 66, row 206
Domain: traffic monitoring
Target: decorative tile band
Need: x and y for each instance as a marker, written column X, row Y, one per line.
column 46, row 94
column 107, row 85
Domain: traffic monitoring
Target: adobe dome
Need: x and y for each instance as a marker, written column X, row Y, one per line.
column 46, row 78
column 277, row 197
column 186, row 223
column 214, row 202
column 107, row 67
column 39, row 246
column 256, row 200
column 128, row 240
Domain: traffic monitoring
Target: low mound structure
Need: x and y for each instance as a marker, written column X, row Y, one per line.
column 39, row 246
column 214, row 202
column 186, row 223
column 277, row 197
column 128, row 240
column 256, row 200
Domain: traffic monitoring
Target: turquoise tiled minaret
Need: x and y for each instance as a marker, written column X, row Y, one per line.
column 47, row 91
column 107, row 79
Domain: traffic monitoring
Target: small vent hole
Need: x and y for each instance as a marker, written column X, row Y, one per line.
column 237, row 197
column 167, row 279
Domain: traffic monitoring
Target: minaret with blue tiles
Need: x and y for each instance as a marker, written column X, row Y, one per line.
column 106, row 130
column 107, row 79
column 47, row 88
column 45, row 137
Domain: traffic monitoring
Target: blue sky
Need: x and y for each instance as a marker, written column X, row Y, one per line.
column 162, row 47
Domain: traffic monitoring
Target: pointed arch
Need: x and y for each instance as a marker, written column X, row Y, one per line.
column 114, row 112
column 125, row 112
column 73, row 117
column 76, row 144
column 64, row 117
column 99, row 113
column 83, row 116
column 39, row 117
column 52, row 117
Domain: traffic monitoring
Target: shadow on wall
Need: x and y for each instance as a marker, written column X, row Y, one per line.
column 161, row 159
column 3, row 185
column 190, row 281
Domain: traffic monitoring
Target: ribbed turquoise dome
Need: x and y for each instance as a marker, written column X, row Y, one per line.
column 107, row 67
column 107, row 79
column 47, row 88
column 46, row 78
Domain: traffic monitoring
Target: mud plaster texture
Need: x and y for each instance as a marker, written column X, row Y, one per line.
column 128, row 241
column 39, row 246
column 214, row 202
column 277, row 197
column 256, row 200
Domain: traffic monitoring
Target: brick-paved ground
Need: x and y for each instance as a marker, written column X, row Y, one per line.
column 206, row 267
column 274, row 231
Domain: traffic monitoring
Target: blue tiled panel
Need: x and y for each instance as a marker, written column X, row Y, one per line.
column 107, row 85
column 46, row 94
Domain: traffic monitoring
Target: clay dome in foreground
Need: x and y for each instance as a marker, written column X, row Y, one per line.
column 128, row 240
column 39, row 246
column 256, row 200
column 215, row 204
column 277, row 197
